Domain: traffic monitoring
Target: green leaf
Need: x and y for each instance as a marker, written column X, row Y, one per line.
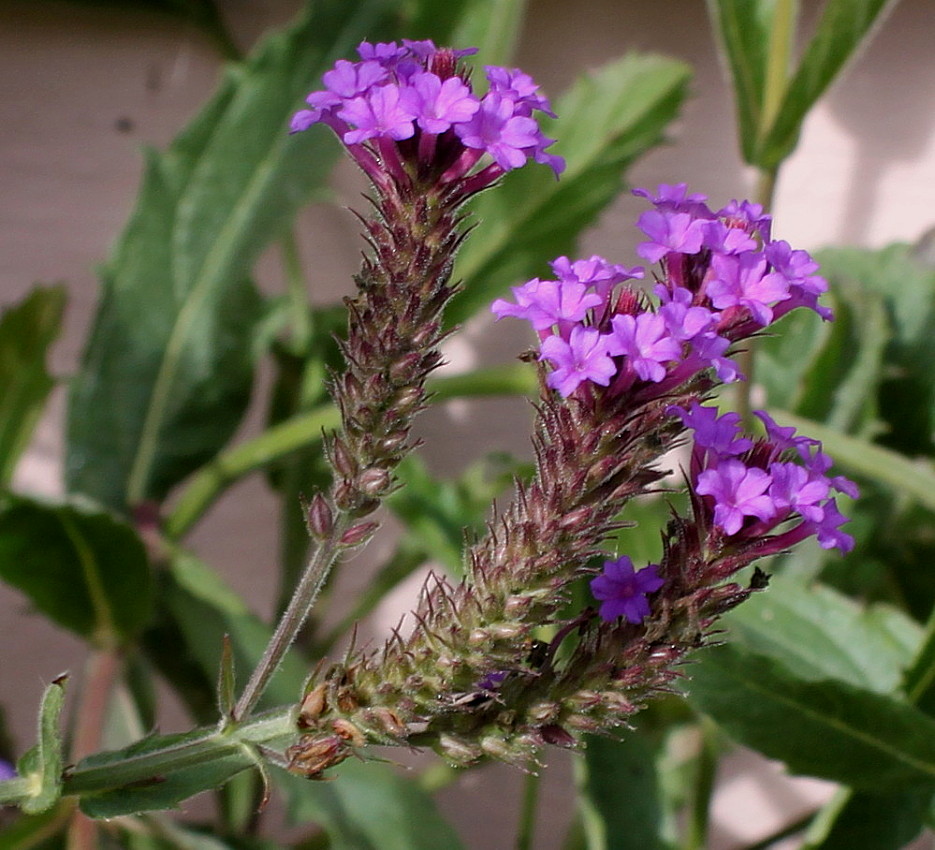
column 82, row 567
column 844, row 27
column 899, row 276
column 369, row 807
column 42, row 765
column 873, row 822
column 26, row 332
column 168, row 789
column 743, row 29
column 915, row 479
column 830, row 729
column 818, row 633
column 618, row 794
column 167, row 372
column 606, row 121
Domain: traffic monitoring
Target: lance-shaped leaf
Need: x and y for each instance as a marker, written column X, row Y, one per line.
column 830, row 729
column 26, row 332
column 605, row 122
column 167, row 372
column 844, row 27
column 79, row 565
column 743, row 29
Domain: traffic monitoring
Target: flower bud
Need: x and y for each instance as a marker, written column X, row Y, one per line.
column 458, row 750
column 320, row 518
column 374, row 481
column 359, row 533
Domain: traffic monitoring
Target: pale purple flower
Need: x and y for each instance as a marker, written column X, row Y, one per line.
column 545, row 303
column 583, row 357
column 386, row 53
column 383, row 113
column 646, row 343
column 709, row 348
column 439, row 104
column 798, row 268
column 518, row 87
column 747, row 216
column 622, row 590
column 347, row 80
column 727, row 240
column 743, row 281
column 675, row 197
column 669, row 232
column 738, row 492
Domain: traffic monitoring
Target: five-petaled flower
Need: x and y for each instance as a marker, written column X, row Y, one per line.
column 622, row 590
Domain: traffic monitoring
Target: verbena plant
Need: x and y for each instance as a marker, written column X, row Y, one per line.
column 571, row 607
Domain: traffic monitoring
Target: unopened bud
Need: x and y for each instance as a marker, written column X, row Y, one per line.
column 342, row 460
column 506, row 631
column 373, row 481
column 542, row 712
column 557, row 736
column 407, row 400
column 349, row 732
column 320, row 517
column 392, row 441
column 478, row 637
column 386, row 721
column 359, row 533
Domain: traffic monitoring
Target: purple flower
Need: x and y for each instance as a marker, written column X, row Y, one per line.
column 622, row 590
column 582, row 358
column 720, row 434
column 738, row 492
column 683, row 321
column 383, row 113
column 441, row 104
column 496, row 129
column 743, row 281
column 669, row 232
column 727, row 240
column 794, row 489
column 747, row 216
column 798, row 268
column 676, row 197
column 828, row 532
column 7, row 771
column 545, row 303
column 646, row 343
column 518, row 87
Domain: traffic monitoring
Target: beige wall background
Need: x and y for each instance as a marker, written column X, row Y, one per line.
column 83, row 89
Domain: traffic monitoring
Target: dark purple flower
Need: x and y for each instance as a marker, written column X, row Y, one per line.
column 738, row 492
column 582, row 358
column 646, row 343
column 720, row 434
column 622, row 590
column 669, row 232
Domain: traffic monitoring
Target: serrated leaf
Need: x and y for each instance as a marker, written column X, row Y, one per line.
column 27, row 330
column 606, row 121
column 167, row 372
column 81, row 566
column 830, row 729
column 818, row 633
column 43, row 764
column 844, row 27
column 369, row 806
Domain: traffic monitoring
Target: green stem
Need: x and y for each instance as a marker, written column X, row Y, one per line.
column 201, row 746
column 527, row 816
column 782, row 33
column 305, row 429
column 293, row 618
column 707, row 763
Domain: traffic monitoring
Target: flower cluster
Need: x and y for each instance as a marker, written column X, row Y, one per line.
column 409, row 109
column 722, row 280
column 751, row 487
